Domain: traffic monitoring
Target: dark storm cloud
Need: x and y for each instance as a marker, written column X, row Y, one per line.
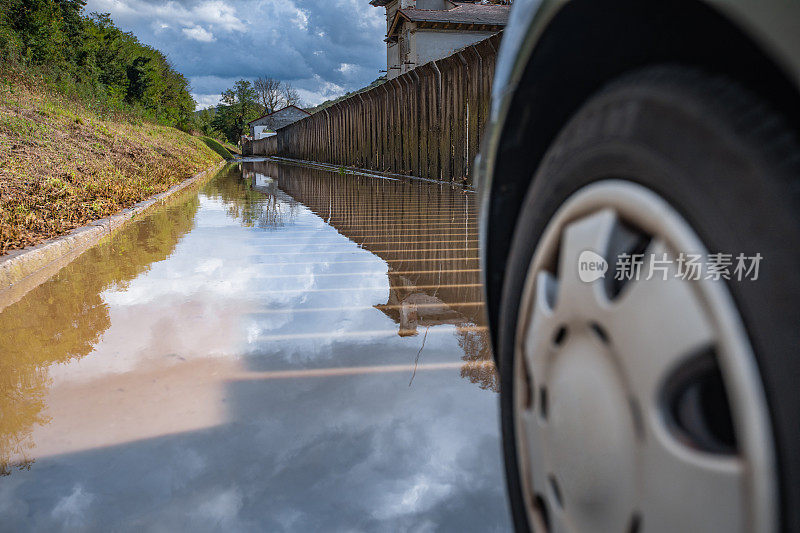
column 323, row 48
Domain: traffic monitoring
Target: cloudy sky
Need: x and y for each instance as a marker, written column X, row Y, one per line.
column 324, row 48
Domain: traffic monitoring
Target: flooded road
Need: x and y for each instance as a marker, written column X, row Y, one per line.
column 287, row 350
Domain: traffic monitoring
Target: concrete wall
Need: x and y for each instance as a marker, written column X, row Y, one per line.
column 431, row 45
column 392, row 60
column 278, row 119
column 438, row 5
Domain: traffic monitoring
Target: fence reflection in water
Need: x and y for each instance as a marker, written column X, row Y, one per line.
column 425, row 232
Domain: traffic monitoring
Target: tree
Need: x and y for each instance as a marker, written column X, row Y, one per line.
column 242, row 103
column 89, row 55
column 269, row 93
column 290, row 95
column 275, row 94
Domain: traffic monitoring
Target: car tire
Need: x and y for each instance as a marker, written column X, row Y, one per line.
column 729, row 167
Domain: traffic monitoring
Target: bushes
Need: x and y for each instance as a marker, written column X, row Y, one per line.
column 89, row 57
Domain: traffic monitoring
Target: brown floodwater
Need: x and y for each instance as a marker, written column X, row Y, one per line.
column 288, row 349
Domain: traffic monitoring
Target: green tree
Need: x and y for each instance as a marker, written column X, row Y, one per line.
column 242, row 103
column 91, row 56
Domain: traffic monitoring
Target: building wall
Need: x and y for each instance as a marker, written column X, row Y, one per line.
column 434, row 4
column 259, row 132
column 279, row 119
column 431, row 45
column 392, row 60
column 415, row 47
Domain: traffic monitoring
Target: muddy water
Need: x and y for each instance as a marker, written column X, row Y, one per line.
column 288, row 349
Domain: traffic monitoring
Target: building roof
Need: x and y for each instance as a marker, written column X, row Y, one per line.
column 490, row 15
column 462, row 14
column 278, row 111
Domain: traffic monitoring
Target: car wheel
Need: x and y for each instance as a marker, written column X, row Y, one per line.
column 657, row 402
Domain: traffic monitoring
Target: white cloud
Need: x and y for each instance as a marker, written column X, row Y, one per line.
column 70, row 510
column 322, row 49
column 301, row 20
column 215, row 13
column 346, row 68
column 326, row 90
column 159, row 26
column 198, row 33
column 222, row 507
column 205, row 101
column 220, row 14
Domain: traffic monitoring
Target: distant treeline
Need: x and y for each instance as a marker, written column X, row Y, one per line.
column 246, row 101
column 89, row 56
column 243, row 102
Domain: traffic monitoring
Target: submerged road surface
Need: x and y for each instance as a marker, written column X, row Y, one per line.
column 287, row 350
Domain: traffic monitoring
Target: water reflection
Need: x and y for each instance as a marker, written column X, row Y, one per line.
column 64, row 319
column 426, row 234
column 259, row 204
column 241, row 360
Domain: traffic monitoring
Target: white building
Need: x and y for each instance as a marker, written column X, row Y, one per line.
column 420, row 31
column 264, row 125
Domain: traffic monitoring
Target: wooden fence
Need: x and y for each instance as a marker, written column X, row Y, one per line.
column 265, row 146
column 426, row 123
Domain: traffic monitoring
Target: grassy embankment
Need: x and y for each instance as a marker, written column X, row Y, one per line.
column 224, row 150
column 65, row 162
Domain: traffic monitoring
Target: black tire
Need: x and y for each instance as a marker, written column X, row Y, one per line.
column 731, row 167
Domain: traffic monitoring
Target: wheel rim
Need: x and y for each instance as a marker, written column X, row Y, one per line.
column 641, row 405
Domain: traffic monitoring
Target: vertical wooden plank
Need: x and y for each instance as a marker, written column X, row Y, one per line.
column 435, row 125
column 353, row 156
column 384, row 153
column 342, row 142
column 458, row 140
column 360, row 128
column 402, row 116
column 473, row 110
column 329, row 132
column 409, row 133
column 414, row 97
column 367, row 139
column 364, row 128
column 393, row 125
column 391, row 129
column 348, row 134
column 370, row 117
column 401, row 124
column 335, row 133
column 446, row 118
column 422, row 127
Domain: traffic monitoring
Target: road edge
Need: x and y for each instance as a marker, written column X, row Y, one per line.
column 24, row 269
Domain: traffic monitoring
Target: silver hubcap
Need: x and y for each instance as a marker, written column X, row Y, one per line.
column 600, row 376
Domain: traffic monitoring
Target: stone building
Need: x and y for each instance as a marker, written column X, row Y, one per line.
column 277, row 119
column 420, row 31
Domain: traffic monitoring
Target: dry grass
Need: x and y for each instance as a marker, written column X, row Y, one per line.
column 63, row 164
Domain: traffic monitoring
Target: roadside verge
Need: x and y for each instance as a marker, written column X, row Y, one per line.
column 24, row 269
